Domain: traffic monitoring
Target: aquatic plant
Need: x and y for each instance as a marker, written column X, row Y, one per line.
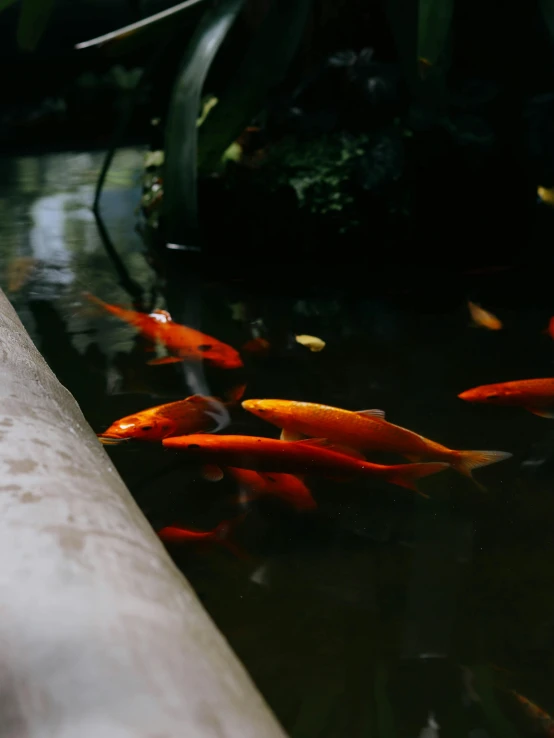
column 180, row 209
column 264, row 64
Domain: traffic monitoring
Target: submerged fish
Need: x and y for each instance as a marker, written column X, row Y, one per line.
column 182, row 342
column 366, row 430
column 220, row 534
column 546, row 723
column 483, row 318
column 535, row 395
column 287, row 487
column 191, row 415
column 312, row 342
column 313, row 456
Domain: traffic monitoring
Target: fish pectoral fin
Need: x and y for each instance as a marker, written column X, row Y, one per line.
column 289, row 435
column 541, row 413
column 212, row 473
column 111, row 440
column 374, row 413
column 165, row 360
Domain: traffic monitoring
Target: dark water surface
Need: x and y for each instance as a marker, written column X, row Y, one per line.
column 381, row 613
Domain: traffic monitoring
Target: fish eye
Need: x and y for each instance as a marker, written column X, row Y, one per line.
column 146, row 428
column 204, row 347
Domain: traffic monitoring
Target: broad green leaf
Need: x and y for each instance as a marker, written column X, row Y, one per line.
column 435, row 17
column 33, row 19
column 403, row 17
column 6, row 4
column 547, row 9
column 180, row 208
column 146, row 32
column 264, row 65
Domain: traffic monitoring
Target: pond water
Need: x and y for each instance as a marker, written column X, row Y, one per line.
column 380, row 613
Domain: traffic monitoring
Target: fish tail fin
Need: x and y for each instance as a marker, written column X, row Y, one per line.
column 235, row 394
column 466, row 461
column 223, row 533
column 406, row 475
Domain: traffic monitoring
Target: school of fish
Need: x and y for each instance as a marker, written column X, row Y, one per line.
column 316, row 440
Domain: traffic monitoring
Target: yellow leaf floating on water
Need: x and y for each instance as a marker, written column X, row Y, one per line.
column 312, row 342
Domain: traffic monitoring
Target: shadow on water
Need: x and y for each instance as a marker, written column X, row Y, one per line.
column 380, row 613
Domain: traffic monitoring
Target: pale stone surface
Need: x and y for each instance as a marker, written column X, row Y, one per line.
column 100, row 634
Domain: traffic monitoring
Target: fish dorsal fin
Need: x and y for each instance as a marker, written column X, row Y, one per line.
column 198, row 399
column 288, row 435
column 374, row 413
column 336, row 447
column 541, row 413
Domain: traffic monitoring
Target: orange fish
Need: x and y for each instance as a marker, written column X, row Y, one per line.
column 483, row 318
column 314, row 456
column 535, row 395
column 220, row 534
column 257, row 347
column 536, row 712
column 286, row 487
column 182, row 342
column 550, row 329
column 366, row 430
column 192, row 415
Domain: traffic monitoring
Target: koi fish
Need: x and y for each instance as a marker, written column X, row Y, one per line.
column 257, row 347
column 535, row 395
column 366, row 430
column 182, row 342
column 536, row 712
column 483, row 318
column 220, row 534
column 314, row 456
column 286, row 487
column 194, row 414
column 312, row 342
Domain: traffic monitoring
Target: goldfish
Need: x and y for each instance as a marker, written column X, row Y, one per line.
column 220, row 534
column 191, row 415
column 19, row 271
column 366, row 430
column 182, row 342
column 287, row 487
column 482, row 318
column 536, row 712
column 535, row 395
column 312, row 342
column 314, row 456
column 257, row 347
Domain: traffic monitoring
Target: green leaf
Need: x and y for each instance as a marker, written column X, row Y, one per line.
column 33, row 19
column 264, row 65
column 403, row 20
column 6, row 4
column 146, row 32
column 180, row 208
column 435, row 17
column 547, row 9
